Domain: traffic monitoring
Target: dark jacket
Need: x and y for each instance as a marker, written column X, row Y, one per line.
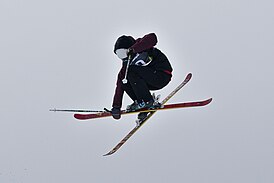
column 159, row 62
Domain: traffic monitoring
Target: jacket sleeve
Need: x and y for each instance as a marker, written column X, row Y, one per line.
column 145, row 43
column 119, row 91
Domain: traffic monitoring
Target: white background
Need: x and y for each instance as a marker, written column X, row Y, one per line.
column 59, row 53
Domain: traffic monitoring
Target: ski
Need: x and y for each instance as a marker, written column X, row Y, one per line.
column 141, row 123
column 124, row 112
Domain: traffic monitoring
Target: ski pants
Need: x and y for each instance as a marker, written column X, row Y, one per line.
column 142, row 79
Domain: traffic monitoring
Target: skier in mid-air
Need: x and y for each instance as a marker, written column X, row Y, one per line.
column 144, row 68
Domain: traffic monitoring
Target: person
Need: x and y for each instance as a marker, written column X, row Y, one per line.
column 144, row 68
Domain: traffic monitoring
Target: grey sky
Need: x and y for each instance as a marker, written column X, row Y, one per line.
column 60, row 54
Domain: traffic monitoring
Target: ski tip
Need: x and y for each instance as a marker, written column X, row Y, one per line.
column 206, row 102
column 80, row 116
column 76, row 116
column 109, row 153
column 189, row 75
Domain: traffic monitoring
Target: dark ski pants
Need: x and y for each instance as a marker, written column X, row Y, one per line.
column 142, row 79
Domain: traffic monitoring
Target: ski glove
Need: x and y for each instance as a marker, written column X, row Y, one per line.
column 116, row 113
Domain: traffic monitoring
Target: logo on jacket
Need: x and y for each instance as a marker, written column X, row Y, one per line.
column 141, row 59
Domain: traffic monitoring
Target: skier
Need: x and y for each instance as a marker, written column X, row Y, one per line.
column 144, row 68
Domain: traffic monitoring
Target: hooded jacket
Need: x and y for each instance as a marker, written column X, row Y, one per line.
column 159, row 63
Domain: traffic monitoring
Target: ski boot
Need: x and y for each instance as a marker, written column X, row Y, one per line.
column 153, row 104
column 138, row 106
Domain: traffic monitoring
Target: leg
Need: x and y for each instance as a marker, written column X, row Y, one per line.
column 128, row 89
column 139, row 85
column 143, row 79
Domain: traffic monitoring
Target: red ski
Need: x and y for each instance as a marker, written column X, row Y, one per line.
column 124, row 112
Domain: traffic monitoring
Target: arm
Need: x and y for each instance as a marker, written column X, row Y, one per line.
column 145, row 43
column 119, row 92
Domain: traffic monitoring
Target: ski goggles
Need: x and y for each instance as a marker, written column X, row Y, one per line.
column 121, row 53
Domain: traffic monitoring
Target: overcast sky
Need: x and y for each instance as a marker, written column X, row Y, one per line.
column 59, row 53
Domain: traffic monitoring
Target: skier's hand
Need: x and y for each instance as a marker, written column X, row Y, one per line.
column 116, row 113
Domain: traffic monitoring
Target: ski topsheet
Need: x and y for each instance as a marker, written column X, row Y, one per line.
column 186, row 80
column 124, row 112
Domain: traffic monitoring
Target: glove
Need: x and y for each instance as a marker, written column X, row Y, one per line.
column 116, row 112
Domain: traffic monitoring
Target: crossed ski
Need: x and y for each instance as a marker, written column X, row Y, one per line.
column 100, row 114
column 123, row 141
